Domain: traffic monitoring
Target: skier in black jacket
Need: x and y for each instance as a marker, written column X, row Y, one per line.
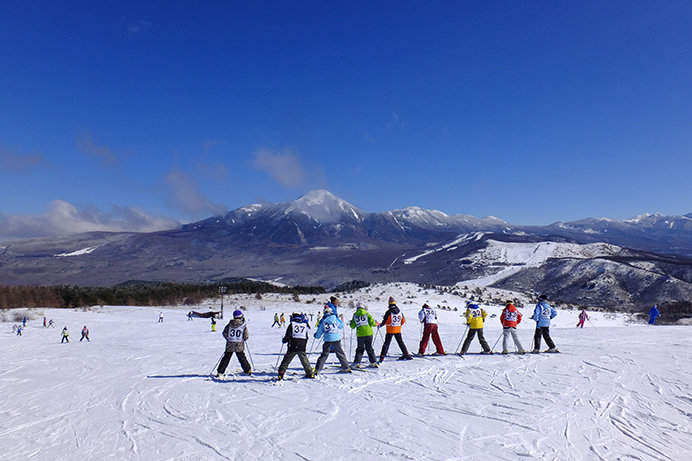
column 297, row 338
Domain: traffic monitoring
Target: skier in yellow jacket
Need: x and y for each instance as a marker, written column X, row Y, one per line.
column 474, row 319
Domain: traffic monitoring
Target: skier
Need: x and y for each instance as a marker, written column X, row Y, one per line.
column 65, row 336
column 510, row 318
column 542, row 315
column 319, row 318
column 283, row 320
column 19, row 330
column 189, row 316
column 428, row 317
column 297, row 339
column 213, row 323
column 85, row 334
column 653, row 315
column 363, row 322
column 334, row 304
column 331, row 328
column 235, row 333
column 24, row 321
column 277, row 321
column 160, row 317
column 44, row 322
column 50, row 323
column 475, row 317
column 583, row 317
column 393, row 319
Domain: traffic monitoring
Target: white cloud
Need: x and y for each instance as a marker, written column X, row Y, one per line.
column 285, row 167
column 63, row 218
column 183, row 194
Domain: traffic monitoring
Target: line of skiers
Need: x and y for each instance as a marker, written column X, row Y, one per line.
column 330, row 328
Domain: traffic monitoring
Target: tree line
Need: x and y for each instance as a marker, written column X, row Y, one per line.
column 137, row 293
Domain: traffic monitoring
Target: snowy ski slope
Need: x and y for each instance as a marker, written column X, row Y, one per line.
column 141, row 391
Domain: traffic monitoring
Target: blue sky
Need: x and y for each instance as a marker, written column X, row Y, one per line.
column 139, row 115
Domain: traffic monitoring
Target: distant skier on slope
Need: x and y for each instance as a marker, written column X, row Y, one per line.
column 213, row 323
column 393, row 319
column 653, row 315
column 65, row 335
column 160, row 317
column 428, row 317
column 331, row 327
column 583, row 317
column 277, row 320
column 542, row 315
column 363, row 322
column 85, row 334
column 475, row 317
column 235, row 333
column 297, row 339
column 510, row 318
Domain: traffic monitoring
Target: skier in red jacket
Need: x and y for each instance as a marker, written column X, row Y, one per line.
column 510, row 318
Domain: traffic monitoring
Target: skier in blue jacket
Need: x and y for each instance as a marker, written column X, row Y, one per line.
column 653, row 315
column 331, row 327
column 542, row 315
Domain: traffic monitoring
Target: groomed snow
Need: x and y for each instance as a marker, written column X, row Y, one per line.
column 140, row 390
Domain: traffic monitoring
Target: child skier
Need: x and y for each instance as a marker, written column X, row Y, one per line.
column 331, row 328
column 236, row 333
column 297, row 339
column 475, row 317
column 510, row 318
column 428, row 317
column 65, row 336
column 583, row 317
column 85, row 334
column 542, row 315
column 160, row 317
column 363, row 322
column 213, row 324
column 393, row 319
column 283, row 320
column 277, row 321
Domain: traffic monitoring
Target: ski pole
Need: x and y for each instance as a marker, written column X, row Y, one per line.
column 217, row 363
column 498, row 340
column 250, row 355
column 456, row 351
column 591, row 323
column 350, row 345
column 276, row 366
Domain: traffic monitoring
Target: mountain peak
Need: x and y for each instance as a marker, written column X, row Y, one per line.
column 321, row 205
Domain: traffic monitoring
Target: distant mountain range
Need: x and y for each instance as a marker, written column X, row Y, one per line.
column 322, row 239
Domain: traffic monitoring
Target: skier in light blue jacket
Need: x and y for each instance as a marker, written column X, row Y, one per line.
column 542, row 315
column 331, row 327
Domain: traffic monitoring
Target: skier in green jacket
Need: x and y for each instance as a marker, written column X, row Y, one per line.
column 363, row 322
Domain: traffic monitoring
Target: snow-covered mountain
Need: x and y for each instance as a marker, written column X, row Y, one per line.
column 320, row 238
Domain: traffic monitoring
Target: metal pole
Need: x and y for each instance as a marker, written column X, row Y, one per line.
column 498, row 339
column 217, row 363
column 222, row 290
column 250, row 354
column 456, row 351
column 276, row 366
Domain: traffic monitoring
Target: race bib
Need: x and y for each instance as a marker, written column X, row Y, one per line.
column 331, row 328
column 361, row 320
column 545, row 313
column 476, row 313
column 395, row 320
column 511, row 316
column 430, row 316
column 235, row 335
column 300, row 331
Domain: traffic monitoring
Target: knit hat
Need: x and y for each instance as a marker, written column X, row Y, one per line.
column 392, row 300
column 333, row 298
column 542, row 297
column 425, row 305
column 237, row 314
column 360, row 305
column 508, row 302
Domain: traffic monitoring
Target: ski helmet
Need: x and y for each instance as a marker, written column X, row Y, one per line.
column 237, row 314
column 360, row 305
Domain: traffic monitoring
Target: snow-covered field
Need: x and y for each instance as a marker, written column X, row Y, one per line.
column 141, row 390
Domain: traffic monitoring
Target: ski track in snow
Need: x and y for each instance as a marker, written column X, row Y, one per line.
column 141, row 390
